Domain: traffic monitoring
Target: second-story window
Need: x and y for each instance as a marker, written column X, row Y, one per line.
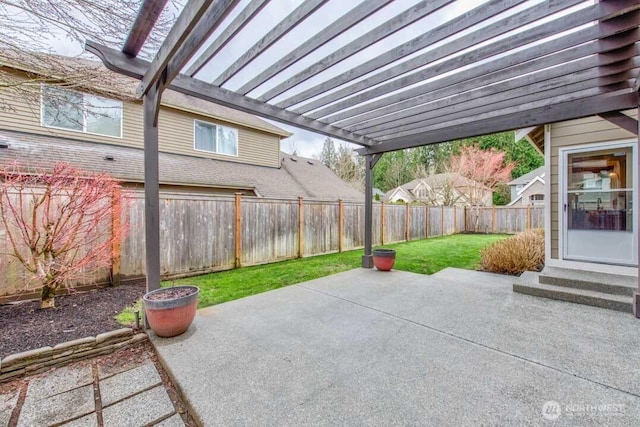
column 215, row 138
column 81, row 112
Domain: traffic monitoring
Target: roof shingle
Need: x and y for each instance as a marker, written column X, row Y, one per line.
column 303, row 178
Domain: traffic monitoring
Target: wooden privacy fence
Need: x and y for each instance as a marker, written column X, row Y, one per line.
column 509, row 220
column 200, row 233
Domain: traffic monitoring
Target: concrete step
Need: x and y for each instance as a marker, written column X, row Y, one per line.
column 614, row 284
column 527, row 284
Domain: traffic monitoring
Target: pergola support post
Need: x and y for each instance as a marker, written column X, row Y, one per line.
column 151, row 104
column 370, row 162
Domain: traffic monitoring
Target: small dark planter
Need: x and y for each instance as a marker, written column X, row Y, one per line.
column 170, row 311
column 383, row 259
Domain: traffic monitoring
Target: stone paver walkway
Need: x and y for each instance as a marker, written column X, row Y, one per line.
column 91, row 394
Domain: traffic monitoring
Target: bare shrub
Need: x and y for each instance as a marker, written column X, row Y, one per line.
column 515, row 255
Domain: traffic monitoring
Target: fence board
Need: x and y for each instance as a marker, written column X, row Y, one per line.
column 320, row 228
column 394, row 220
column 269, row 231
column 417, row 224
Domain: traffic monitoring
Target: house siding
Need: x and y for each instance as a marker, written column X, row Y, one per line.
column 176, row 129
column 536, row 188
column 588, row 130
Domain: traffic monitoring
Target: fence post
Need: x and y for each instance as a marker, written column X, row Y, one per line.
column 455, row 219
column 340, row 224
column 528, row 217
column 493, row 219
column 407, row 219
column 238, row 230
column 466, row 212
column 300, row 227
column 442, row 219
column 116, row 233
column 382, row 223
column 426, row 225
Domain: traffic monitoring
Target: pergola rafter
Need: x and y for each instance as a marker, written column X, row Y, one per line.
column 574, row 50
column 446, row 50
column 442, row 69
column 549, row 29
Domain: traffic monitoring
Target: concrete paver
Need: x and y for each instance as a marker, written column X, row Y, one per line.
column 108, row 370
column 60, row 380
column 7, row 404
column 90, row 420
column 173, row 421
column 58, row 408
column 124, row 384
column 370, row 348
column 139, row 410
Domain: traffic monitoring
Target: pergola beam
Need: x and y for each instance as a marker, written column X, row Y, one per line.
column 197, row 21
column 582, row 107
column 238, row 23
column 287, row 24
column 507, row 106
column 395, row 24
column 137, row 68
column 580, row 17
column 148, row 15
column 530, row 60
column 555, row 81
column 342, row 24
column 441, row 32
column 621, row 120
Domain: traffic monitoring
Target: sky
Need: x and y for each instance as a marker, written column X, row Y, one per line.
column 304, row 142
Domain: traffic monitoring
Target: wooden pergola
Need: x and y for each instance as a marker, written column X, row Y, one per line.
column 503, row 65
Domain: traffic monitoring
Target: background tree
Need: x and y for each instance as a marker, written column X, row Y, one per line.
column 521, row 153
column 58, row 223
column 349, row 167
column 328, row 155
column 31, row 27
column 484, row 170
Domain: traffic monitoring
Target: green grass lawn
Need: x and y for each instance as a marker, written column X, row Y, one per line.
column 420, row 256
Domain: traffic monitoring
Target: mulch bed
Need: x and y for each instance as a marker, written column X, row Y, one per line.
column 24, row 326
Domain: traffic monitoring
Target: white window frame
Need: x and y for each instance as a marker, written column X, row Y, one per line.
column 196, row 121
column 563, row 153
column 84, row 113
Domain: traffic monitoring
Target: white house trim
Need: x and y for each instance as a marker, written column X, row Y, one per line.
column 547, row 194
column 523, row 189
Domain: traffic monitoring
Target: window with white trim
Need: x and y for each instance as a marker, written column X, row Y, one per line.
column 80, row 112
column 214, row 138
column 536, row 199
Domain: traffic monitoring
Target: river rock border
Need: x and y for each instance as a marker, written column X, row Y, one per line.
column 45, row 358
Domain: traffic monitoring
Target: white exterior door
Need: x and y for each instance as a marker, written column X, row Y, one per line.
column 597, row 203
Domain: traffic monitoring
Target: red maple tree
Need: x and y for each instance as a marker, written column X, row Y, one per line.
column 484, row 170
column 60, row 224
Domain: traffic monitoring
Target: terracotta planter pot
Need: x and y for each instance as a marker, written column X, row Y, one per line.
column 167, row 315
column 383, row 259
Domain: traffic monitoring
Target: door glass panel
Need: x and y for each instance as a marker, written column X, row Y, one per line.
column 600, row 190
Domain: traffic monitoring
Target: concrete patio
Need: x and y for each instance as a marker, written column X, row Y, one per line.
column 366, row 347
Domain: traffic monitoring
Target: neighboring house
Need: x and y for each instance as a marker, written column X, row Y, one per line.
column 591, row 218
column 528, row 189
column 204, row 147
column 441, row 189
